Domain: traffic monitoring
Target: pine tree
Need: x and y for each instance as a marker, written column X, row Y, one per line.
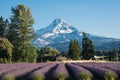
column 87, row 48
column 3, row 27
column 20, row 31
column 74, row 50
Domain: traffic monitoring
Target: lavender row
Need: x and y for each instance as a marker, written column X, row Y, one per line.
column 100, row 72
column 115, row 66
column 63, row 71
column 5, row 68
column 60, row 72
column 102, row 64
column 20, row 71
column 40, row 74
column 79, row 72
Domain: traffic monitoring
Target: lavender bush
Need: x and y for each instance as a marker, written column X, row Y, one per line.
column 41, row 73
column 60, row 73
column 20, row 70
column 100, row 72
column 79, row 72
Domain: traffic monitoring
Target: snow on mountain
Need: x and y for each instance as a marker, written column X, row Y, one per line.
column 56, row 27
column 59, row 31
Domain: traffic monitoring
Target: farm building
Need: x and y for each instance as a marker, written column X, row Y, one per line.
column 62, row 57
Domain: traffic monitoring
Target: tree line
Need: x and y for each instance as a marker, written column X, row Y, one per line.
column 87, row 52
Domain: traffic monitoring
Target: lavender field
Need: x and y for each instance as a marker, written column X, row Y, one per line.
column 61, row 71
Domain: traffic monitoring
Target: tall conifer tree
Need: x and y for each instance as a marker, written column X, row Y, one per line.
column 87, row 47
column 20, row 32
column 3, row 27
column 74, row 50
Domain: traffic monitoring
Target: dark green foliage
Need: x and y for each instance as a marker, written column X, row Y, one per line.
column 20, row 34
column 21, row 26
column 74, row 50
column 47, row 53
column 87, row 48
column 113, row 55
column 28, row 53
column 6, row 49
column 3, row 27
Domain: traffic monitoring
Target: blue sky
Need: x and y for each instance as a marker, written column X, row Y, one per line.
column 98, row 17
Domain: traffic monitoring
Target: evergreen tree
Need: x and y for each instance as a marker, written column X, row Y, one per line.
column 87, row 48
column 20, row 31
column 3, row 27
column 74, row 50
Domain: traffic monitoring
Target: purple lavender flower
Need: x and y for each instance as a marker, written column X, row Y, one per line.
column 100, row 72
column 21, row 69
column 41, row 73
column 60, row 72
column 79, row 72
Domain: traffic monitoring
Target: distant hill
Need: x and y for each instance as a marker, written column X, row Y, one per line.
column 59, row 34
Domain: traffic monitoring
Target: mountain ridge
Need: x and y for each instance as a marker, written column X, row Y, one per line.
column 59, row 31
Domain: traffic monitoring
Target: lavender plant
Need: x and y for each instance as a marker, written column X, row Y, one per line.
column 100, row 72
column 60, row 73
column 79, row 72
column 20, row 70
column 41, row 73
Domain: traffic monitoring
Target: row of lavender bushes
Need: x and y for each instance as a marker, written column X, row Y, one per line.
column 60, row 71
column 102, row 71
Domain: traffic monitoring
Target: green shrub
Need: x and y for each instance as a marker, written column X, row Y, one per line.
column 1, row 60
column 84, row 76
column 8, row 77
column 61, row 76
column 5, row 60
column 36, row 77
column 110, row 76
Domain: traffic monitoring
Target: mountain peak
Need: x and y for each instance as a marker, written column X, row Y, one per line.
column 57, row 20
column 59, row 26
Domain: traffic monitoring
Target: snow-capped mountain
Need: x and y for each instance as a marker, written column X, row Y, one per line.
column 60, row 32
column 57, row 32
